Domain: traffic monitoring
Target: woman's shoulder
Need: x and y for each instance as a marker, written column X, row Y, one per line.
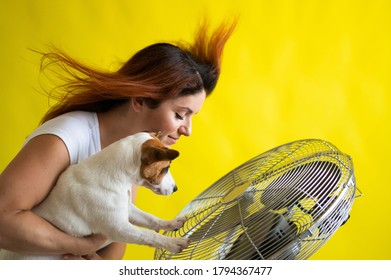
column 79, row 130
column 76, row 118
column 77, row 122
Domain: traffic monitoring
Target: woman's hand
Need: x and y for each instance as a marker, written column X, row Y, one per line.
column 88, row 245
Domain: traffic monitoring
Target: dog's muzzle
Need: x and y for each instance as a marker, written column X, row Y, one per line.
column 166, row 187
column 159, row 189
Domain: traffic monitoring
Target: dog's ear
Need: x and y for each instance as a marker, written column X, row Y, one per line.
column 153, row 153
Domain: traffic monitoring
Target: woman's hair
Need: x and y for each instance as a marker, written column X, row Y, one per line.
column 156, row 73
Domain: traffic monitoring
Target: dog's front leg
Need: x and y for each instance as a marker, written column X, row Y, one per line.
column 143, row 219
column 128, row 233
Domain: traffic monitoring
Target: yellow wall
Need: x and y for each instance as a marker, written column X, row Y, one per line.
column 293, row 70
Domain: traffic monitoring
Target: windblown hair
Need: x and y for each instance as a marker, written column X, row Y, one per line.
column 156, row 73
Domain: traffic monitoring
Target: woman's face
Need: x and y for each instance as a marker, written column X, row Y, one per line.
column 173, row 117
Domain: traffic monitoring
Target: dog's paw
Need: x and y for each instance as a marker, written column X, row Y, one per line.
column 175, row 224
column 176, row 245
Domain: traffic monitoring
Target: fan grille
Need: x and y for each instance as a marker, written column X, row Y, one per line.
column 282, row 204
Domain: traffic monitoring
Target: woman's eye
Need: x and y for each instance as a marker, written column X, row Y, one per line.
column 179, row 116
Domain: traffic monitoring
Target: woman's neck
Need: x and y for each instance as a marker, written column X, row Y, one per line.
column 116, row 124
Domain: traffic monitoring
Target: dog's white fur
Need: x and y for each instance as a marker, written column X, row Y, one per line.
column 94, row 197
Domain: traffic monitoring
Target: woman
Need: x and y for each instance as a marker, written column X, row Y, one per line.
column 159, row 89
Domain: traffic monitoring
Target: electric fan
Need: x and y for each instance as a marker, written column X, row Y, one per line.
column 282, row 204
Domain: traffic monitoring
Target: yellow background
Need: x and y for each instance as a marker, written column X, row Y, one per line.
column 292, row 70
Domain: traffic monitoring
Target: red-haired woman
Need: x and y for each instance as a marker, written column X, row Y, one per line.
column 159, row 89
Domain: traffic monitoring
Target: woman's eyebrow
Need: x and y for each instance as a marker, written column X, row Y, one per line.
column 186, row 109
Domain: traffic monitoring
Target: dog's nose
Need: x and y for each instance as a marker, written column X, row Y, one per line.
column 175, row 188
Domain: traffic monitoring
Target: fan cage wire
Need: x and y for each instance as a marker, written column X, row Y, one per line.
column 213, row 225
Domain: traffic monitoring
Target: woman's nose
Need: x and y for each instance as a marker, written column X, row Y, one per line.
column 185, row 129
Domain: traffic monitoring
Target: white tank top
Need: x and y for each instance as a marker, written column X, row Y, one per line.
column 78, row 130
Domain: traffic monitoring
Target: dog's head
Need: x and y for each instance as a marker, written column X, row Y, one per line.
column 155, row 165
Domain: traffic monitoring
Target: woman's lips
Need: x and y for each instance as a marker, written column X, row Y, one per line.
column 172, row 140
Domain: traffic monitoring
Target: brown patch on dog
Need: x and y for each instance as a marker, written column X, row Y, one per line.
column 155, row 160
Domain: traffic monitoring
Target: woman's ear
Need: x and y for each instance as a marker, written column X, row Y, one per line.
column 137, row 103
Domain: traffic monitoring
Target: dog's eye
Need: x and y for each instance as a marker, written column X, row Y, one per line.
column 165, row 169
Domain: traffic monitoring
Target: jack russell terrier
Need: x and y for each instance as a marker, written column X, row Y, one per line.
column 94, row 196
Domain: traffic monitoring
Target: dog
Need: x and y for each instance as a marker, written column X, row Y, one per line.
column 94, row 196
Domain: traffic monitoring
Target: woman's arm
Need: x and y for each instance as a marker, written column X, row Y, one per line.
column 26, row 182
column 114, row 251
